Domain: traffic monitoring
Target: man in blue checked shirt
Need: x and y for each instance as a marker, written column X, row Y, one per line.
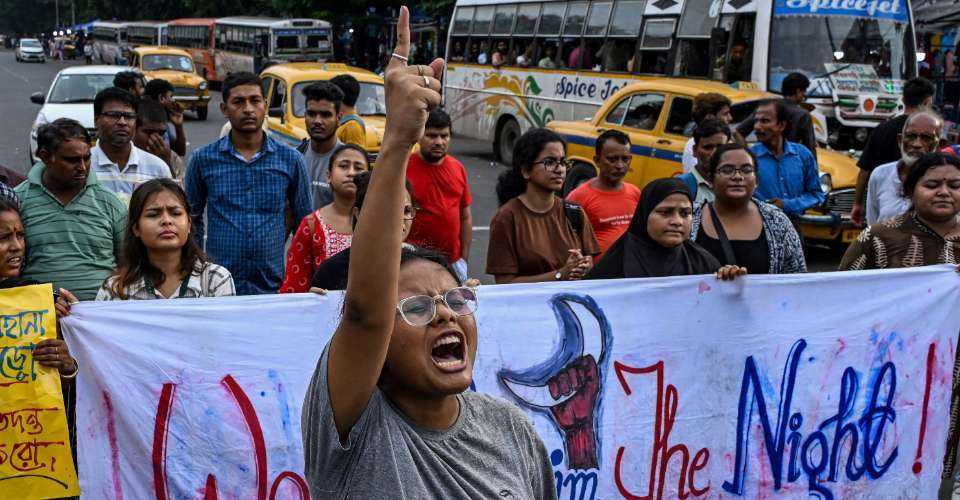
column 245, row 181
column 787, row 171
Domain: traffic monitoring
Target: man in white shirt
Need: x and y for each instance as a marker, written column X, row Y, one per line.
column 885, row 200
column 119, row 165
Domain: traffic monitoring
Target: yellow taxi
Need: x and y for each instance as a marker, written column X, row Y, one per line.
column 177, row 67
column 283, row 87
column 656, row 114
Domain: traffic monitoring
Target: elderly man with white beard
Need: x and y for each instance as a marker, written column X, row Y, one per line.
column 921, row 134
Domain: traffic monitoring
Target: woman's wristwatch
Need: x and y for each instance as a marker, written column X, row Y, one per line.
column 558, row 276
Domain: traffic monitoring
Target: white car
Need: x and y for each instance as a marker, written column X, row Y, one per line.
column 71, row 96
column 30, row 49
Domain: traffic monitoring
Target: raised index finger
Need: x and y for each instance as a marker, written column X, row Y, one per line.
column 403, row 39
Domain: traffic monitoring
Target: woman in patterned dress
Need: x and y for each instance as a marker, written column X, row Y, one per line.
column 329, row 230
column 927, row 234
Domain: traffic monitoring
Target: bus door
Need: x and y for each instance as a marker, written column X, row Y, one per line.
column 731, row 48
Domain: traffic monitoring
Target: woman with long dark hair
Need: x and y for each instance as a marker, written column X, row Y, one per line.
column 160, row 258
column 535, row 235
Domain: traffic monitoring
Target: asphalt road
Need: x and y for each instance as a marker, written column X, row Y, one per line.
column 17, row 114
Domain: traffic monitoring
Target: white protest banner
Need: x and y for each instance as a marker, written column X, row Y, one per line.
column 832, row 384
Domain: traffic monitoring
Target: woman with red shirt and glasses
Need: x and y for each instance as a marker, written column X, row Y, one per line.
column 329, row 230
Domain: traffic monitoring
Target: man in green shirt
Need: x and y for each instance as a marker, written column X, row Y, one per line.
column 74, row 225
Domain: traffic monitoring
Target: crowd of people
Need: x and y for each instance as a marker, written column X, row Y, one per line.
column 127, row 220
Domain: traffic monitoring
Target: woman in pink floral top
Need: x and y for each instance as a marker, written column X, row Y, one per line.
column 327, row 231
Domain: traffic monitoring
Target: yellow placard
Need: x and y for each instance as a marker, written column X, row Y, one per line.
column 35, row 457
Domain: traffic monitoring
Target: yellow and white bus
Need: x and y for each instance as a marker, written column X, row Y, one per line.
column 242, row 42
column 563, row 58
column 109, row 41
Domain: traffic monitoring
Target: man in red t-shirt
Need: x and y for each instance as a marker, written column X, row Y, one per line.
column 439, row 181
column 609, row 202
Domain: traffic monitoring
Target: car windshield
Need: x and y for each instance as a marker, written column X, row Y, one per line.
column 70, row 89
column 171, row 62
column 822, row 46
column 370, row 102
column 33, row 44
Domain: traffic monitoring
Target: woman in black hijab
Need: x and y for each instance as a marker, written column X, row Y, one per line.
column 658, row 242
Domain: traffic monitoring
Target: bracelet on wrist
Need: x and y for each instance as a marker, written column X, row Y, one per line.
column 76, row 370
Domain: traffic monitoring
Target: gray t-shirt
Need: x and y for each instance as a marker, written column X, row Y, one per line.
column 491, row 451
column 317, row 165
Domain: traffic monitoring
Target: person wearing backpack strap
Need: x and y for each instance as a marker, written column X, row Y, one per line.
column 352, row 129
column 535, row 236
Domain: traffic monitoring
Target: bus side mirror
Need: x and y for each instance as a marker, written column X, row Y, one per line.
column 276, row 112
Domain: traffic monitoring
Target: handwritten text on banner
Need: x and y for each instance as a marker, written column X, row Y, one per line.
column 35, row 457
column 834, row 384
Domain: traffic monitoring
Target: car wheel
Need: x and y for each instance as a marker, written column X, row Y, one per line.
column 577, row 175
column 202, row 113
column 507, row 136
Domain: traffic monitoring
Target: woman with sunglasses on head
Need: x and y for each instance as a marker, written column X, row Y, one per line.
column 657, row 243
column 329, row 230
column 160, row 258
column 388, row 414
column 535, row 236
column 738, row 229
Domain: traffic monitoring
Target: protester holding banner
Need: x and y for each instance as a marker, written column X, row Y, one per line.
column 536, row 236
column 657, row 244
column 388, row 412
column 739, row 229
column 161, row 258
column 331, row 274
column 329, row 230
column 927, row 234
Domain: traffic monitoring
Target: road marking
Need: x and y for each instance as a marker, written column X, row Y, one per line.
column 15, row 75
column 481, row 228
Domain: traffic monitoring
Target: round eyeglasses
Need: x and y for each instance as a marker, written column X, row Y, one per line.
column 419, row 310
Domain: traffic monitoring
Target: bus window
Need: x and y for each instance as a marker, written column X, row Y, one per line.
column 503, row 19
column 461, row 22
column 551, row 19
column 680, row 119
column 571, row 56
column 644, row 111
column 599, row 18
column 526, row 19
column 738, row 61
column 458, row 49
column 576, row 13
column 482, row 20
column 548, row 57
column 626, row 18
column 696, row 20
column 618, row 55
column 287, row 42
column 692, row 57
column 593, row 52
column 524, row 52
column 655, row 45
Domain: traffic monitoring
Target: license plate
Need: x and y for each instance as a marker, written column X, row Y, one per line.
column 850, row 235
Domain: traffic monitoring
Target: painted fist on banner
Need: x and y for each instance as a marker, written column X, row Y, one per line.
column 575, row 415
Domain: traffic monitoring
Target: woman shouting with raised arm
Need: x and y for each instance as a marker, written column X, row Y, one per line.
column 388, row 414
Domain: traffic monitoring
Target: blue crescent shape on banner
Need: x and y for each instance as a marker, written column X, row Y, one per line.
column 584, row 329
